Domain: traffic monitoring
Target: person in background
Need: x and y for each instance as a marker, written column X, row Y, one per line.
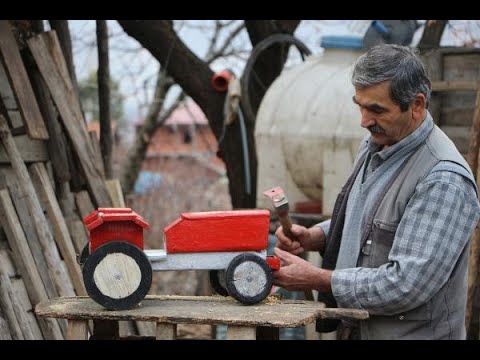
column 397, row 244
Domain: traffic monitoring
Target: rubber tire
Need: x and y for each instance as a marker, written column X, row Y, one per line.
column 129, row 250
column 215, row 282
column 230, row 279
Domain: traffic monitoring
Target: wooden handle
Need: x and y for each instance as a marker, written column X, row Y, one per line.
column 287, row 226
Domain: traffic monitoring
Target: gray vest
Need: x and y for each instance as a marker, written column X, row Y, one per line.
column 443, row 316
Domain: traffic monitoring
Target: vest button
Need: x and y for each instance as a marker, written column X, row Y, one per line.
column 401, row 317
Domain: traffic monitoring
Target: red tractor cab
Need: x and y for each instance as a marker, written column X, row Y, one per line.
column 112, row 224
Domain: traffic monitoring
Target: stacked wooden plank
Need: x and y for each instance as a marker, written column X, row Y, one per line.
column 455, row 83
column 50, row 178
column 455, row 106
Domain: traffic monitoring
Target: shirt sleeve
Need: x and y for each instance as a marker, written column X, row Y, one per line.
column 435, row 228
column 325, row 226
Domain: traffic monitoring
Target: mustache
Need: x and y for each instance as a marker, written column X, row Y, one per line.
column 376, row 129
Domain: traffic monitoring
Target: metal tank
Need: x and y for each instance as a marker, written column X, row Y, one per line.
column 308, row 128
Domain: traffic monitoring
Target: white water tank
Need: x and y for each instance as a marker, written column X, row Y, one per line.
column 308, row 128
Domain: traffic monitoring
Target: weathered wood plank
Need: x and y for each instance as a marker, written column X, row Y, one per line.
column 6, row 91
column 461, row 66
column 97, row 152
column 48, row 56
column 7, row 306
column 459, row 115
column 25, row 262
column 115, row 191
column 26, row 229
column 31, row 150
column 434, row 66
column 166, row 331
column 22, row 306
column 84, row 203
column 20, row 289
column 60, row 230
column 22, row 89
column 455, row 85
column 22, row 255
column 202, row 310
column 56, row 144
column 78, row 232
column 4, row 256
column 8, row 105
column 126, row 328
column 241, row 333
column 65, row 198
column 18, row 284
column 4, row 329
column 50, row 251
column 77, row 330
column 146, row 328
column 16, row 121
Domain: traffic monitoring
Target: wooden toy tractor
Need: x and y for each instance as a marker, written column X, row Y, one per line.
column 232, row 245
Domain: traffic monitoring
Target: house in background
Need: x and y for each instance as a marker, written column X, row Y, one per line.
column 185, row 144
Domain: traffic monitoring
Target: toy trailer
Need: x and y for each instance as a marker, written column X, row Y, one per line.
column 232, row 245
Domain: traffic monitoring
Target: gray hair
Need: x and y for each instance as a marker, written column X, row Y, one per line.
column 398, row 64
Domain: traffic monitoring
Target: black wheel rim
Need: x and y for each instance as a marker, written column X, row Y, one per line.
column 132, row 296
column 248, row 278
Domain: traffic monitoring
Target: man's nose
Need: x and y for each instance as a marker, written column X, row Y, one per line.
column 367, row 119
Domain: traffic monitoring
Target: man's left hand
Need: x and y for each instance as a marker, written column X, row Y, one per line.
column 297, row 274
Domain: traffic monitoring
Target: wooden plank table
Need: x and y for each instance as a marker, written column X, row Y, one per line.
column 167, row 311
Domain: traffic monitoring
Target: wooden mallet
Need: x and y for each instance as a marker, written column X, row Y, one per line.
column 280, row 203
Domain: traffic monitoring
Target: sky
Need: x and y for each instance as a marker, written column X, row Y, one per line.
column 136, row 70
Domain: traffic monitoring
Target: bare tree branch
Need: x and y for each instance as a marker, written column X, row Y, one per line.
column 228, row 41
column 135, row 158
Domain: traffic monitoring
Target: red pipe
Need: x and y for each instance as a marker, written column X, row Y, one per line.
column 221, row 80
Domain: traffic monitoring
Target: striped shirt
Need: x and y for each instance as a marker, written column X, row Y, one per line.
column 435, row 228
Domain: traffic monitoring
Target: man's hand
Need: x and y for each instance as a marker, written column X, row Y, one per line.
column 305, row 239
column 297, row 274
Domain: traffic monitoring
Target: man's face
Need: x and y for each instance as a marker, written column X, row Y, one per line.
column 382, row 116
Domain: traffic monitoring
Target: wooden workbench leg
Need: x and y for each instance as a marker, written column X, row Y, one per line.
column 77, row 330
column 241, row 333
column 166, row 331
column 105, row 330
column 268, row 333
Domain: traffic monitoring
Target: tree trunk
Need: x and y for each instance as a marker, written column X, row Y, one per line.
column 136, row 155
column 432, row 34
column 159, row 37
column 103, row 79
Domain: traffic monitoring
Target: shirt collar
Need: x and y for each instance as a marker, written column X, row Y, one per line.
column 410, row 142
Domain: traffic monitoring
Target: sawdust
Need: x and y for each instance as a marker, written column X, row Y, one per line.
column 273, row 299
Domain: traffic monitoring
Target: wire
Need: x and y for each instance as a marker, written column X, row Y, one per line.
column 257, row 50
column 246, row 155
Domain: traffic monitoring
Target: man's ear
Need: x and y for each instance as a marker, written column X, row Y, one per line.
column 419, row 106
